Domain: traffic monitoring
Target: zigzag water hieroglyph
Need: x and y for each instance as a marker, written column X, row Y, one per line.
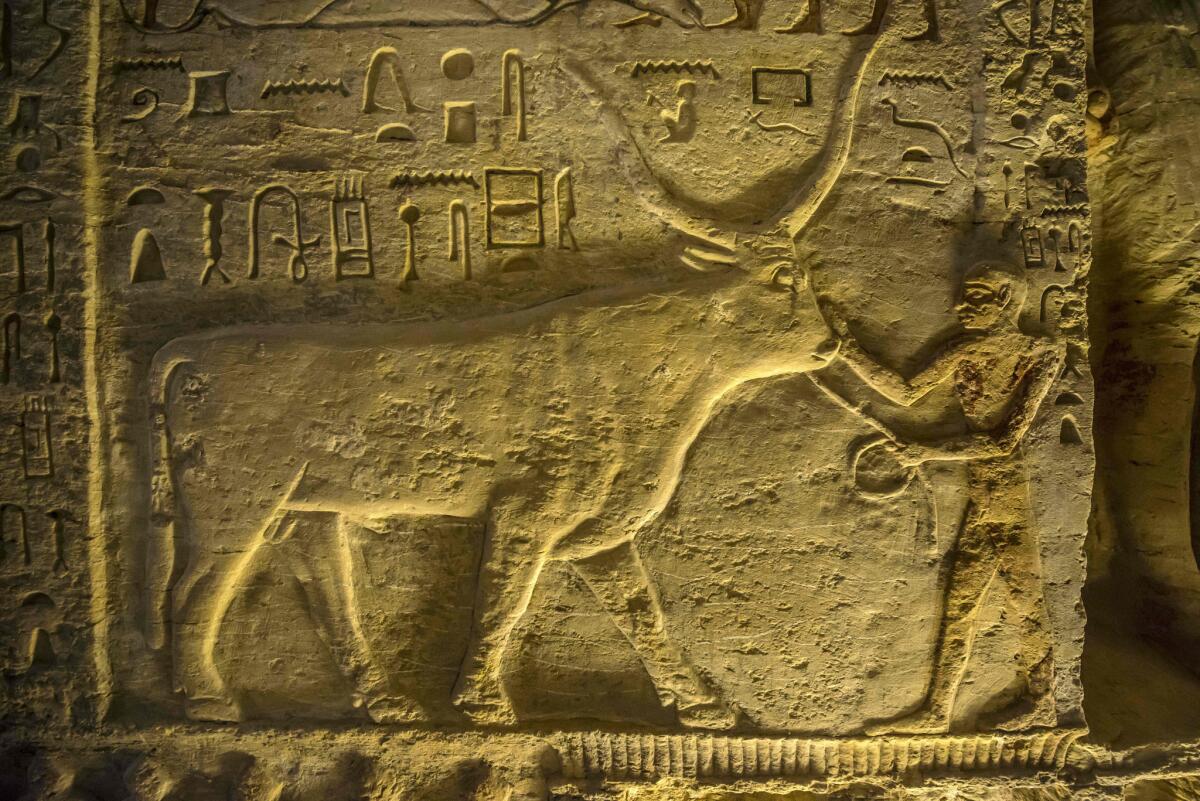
column 150, row 63
column 414, row 178
column 637, row 69
column 909, row 79
column 304, row 87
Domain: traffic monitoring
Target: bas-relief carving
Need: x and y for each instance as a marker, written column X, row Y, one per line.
column 791, row 473
column 518, row 458
column 44, row 634
column 189, row 767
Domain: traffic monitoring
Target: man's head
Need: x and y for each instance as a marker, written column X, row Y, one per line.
column 991, row 293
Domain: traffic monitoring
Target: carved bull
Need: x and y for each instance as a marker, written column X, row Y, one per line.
column 560, row 431
column 302, row 467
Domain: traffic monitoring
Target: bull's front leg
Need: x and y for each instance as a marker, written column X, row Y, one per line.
column 617, row 577
column 600, row 549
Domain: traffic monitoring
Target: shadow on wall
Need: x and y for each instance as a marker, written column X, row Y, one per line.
column 1141, row 667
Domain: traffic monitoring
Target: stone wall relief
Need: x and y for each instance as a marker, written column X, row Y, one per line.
column 29, row 240
column 387, row 71
column 44, row 635
column 279, row 222
column 595, row 544
column 385, row 76
column 451, row 169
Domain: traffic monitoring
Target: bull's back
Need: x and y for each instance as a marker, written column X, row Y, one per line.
column 420, row 423
column 437, row 417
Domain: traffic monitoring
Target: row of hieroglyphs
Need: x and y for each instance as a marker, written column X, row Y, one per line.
column 34, row 427
column 1025, row 23
column 781, row 86
column 208, row 92
column 460, row 118
column 34, row 140
column 40, row 240
column 16, row 530
column 1048, row 195
column 514, row 218
column 514, row 197
column 385, row 71
column 1051, row 245
column 14, row 232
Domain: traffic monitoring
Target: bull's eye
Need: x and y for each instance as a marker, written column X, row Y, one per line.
column 787, row 278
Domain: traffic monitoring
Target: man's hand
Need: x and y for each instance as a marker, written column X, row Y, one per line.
column 882, row 467
column 911, row 455
column 836, row 322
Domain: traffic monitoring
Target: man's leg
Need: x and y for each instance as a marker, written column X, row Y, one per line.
column 973, row 567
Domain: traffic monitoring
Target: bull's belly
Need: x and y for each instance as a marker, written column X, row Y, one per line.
column 761, row 561
column 433, row 427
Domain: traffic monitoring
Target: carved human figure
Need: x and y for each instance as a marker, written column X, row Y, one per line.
column 983, row 389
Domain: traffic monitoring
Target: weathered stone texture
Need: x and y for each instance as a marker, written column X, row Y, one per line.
column 530, row 398
column 47, row 557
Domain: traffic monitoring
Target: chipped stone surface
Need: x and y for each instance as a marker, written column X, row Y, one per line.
column 523, row 397
column 532, row 400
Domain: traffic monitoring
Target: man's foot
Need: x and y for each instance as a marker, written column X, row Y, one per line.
column 483, row 707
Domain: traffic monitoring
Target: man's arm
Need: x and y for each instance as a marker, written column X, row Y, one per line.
column 891, row 384
column 1002, row 440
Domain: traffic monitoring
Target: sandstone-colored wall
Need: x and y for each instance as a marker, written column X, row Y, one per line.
column 1144, row 573
column 647, row 398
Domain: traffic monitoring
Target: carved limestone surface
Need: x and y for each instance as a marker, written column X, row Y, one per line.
column 46, row 625
column 542, row 364
column 645, row 390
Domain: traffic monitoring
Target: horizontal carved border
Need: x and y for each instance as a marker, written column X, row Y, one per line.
column 649, row 757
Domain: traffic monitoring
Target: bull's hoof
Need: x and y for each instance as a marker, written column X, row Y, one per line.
column 924, row 722
column 713, row 715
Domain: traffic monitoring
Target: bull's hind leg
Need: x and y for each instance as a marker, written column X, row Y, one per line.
column 619, row 581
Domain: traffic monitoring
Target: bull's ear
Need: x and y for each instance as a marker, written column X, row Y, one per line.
column 787, row 277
